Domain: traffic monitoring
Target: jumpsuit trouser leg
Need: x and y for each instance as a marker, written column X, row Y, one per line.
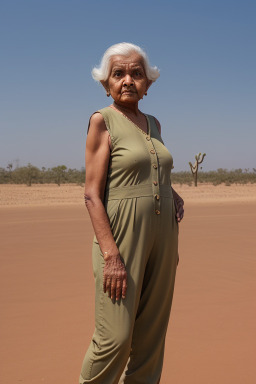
column 134, row 328
column 146, row 357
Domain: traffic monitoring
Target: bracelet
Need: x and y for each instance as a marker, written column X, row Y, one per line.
column 105, row 255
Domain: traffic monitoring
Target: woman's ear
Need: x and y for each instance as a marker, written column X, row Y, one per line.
column 105, row 85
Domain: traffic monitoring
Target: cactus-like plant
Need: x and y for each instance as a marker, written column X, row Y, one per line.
column 194, row 168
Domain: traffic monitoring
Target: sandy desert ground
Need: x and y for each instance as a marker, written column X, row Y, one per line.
column 47, row 288
column 70, row 194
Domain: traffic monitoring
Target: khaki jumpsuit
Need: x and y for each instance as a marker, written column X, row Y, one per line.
column 129, row 335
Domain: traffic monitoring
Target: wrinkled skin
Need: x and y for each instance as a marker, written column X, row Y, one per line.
column 115, row 278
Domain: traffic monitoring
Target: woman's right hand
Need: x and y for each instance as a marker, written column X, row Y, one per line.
column 114, row 278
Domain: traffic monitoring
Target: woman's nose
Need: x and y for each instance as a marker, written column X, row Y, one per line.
column 128, row 80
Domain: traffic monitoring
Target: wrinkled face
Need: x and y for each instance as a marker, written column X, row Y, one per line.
column 127, row 82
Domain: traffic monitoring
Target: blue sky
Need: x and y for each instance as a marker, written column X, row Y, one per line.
column 205, row 97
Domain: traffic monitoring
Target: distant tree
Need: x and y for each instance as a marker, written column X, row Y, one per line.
column 59, row 173
column 26, row 175
column 43, row 175
column 9, row 167
column 31, row 174
column 194, row 168
column 4, row 176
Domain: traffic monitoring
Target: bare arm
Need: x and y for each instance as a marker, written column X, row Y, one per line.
column 97, row 160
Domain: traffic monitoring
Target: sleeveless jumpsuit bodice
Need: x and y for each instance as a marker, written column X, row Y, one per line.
column 140, row 165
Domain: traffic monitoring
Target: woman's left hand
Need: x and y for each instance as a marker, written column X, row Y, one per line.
column 179, row 205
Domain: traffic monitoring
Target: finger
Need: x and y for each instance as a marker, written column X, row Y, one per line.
column 113, row 287
column 119, row 283
column 178, row 216
column 180, row 213
column 118, row 289
column 104, row 283
column 124, row 288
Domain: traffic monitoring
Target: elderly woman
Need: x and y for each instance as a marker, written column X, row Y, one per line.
column 135, row 214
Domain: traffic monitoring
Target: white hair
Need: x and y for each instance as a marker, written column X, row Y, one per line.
column 101, row 73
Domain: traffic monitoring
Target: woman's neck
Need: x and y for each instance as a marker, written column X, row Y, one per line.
column 131, row 110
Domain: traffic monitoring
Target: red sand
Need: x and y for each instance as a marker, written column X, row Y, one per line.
column 47, row 295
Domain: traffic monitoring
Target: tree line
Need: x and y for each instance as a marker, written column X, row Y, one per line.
column 62, row 175
column 221, row 176
column 33, row 175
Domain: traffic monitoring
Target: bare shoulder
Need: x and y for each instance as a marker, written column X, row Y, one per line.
column 98, row 136
column 158, row 124
column 97, row 122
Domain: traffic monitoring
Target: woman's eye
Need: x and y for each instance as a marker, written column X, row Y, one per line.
column 117, row 73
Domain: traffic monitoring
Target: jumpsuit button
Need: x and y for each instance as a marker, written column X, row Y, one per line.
column 152, row 151
column 155, row 182
column 157, row 212
column 154, row 166
column 157, row 197
column 148, row 138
